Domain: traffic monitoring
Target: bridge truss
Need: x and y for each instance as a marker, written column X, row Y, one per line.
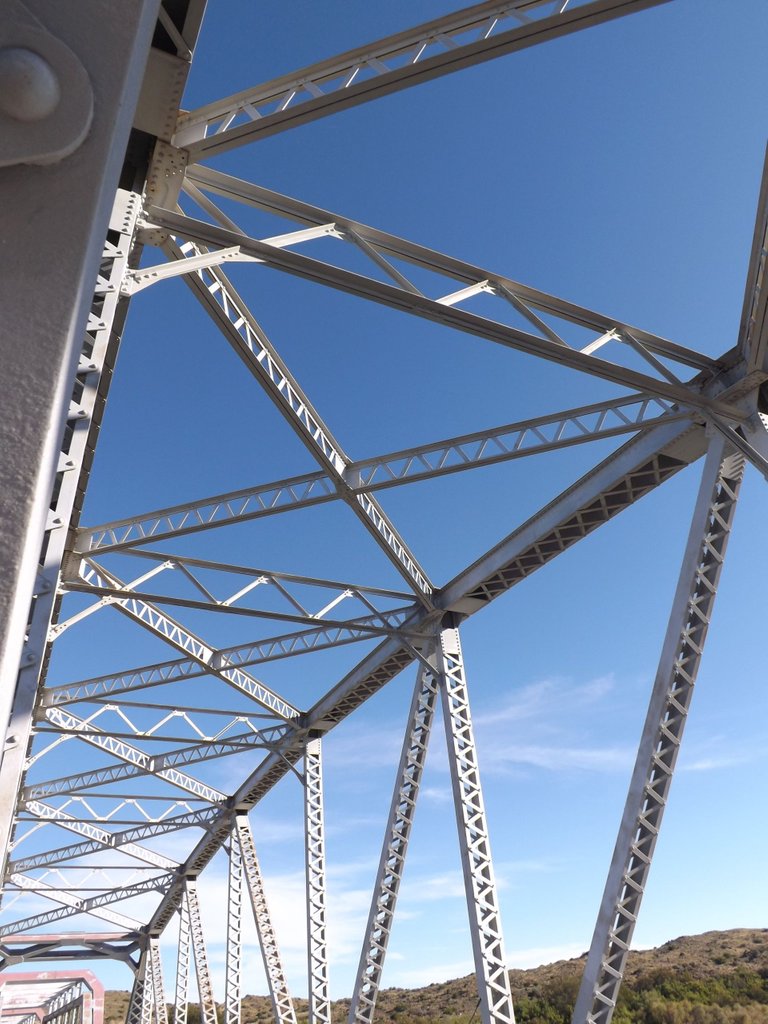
column 118, row 835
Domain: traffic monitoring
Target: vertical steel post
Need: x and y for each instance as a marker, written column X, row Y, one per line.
column 158, row 988
column 232, row 992
column 479, row 882
column 181, row 996
column 97, row 355
column 317, row 936
column 662, row 733
column 273, row 964
column 396, row 838
column 47, row 206
column 204, row 985
column 140, row 1003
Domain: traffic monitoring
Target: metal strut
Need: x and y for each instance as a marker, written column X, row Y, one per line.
column 89, row 389
column 232, row 989
column 479, row 882
column 204, row 985
column 215, row 292
column 140, row 1004
column 181, row 997
column 662, row 733
column 273, row 964
column 317, row 936
column 396, row 838
column 158, row 988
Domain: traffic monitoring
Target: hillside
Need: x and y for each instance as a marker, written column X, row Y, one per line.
column 714, row 978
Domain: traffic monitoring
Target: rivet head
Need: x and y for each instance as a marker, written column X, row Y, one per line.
column 29, row 88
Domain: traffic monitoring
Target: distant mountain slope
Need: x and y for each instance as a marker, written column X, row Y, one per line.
column 714, row 978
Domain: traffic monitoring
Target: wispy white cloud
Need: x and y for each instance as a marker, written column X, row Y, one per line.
column 554, row 758
column 547, row 709
column 429, row 973
column 522, row 959
column 436, row 794
column 545, row 698
column 535, row 956
column 443, row 886
column 542, row 726
column 710, row 764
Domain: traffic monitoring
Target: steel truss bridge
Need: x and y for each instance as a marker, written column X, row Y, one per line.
column 84, row 836
column 52, row 997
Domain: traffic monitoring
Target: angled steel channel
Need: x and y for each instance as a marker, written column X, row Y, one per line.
column 491, row 974
column 233, row 982
column 662, row 733
column 753, row 326
column 397, row 835
column 282, row 1003
column 238, row 325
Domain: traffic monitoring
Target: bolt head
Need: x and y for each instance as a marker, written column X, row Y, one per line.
column 29, row 88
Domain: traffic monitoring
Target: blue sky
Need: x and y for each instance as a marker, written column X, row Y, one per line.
column 618, row 168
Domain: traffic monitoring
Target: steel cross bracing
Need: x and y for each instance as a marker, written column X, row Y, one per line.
column 85, row 832
column 140, row 1004
column 230, row 311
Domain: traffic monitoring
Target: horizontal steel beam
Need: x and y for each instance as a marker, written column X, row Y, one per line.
column 183, row 640
column 95, row 905
column 114, row 840
column 249, row 503
column 383, row 624
column 270, row 649
column 423, row 462
column 388, row 65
